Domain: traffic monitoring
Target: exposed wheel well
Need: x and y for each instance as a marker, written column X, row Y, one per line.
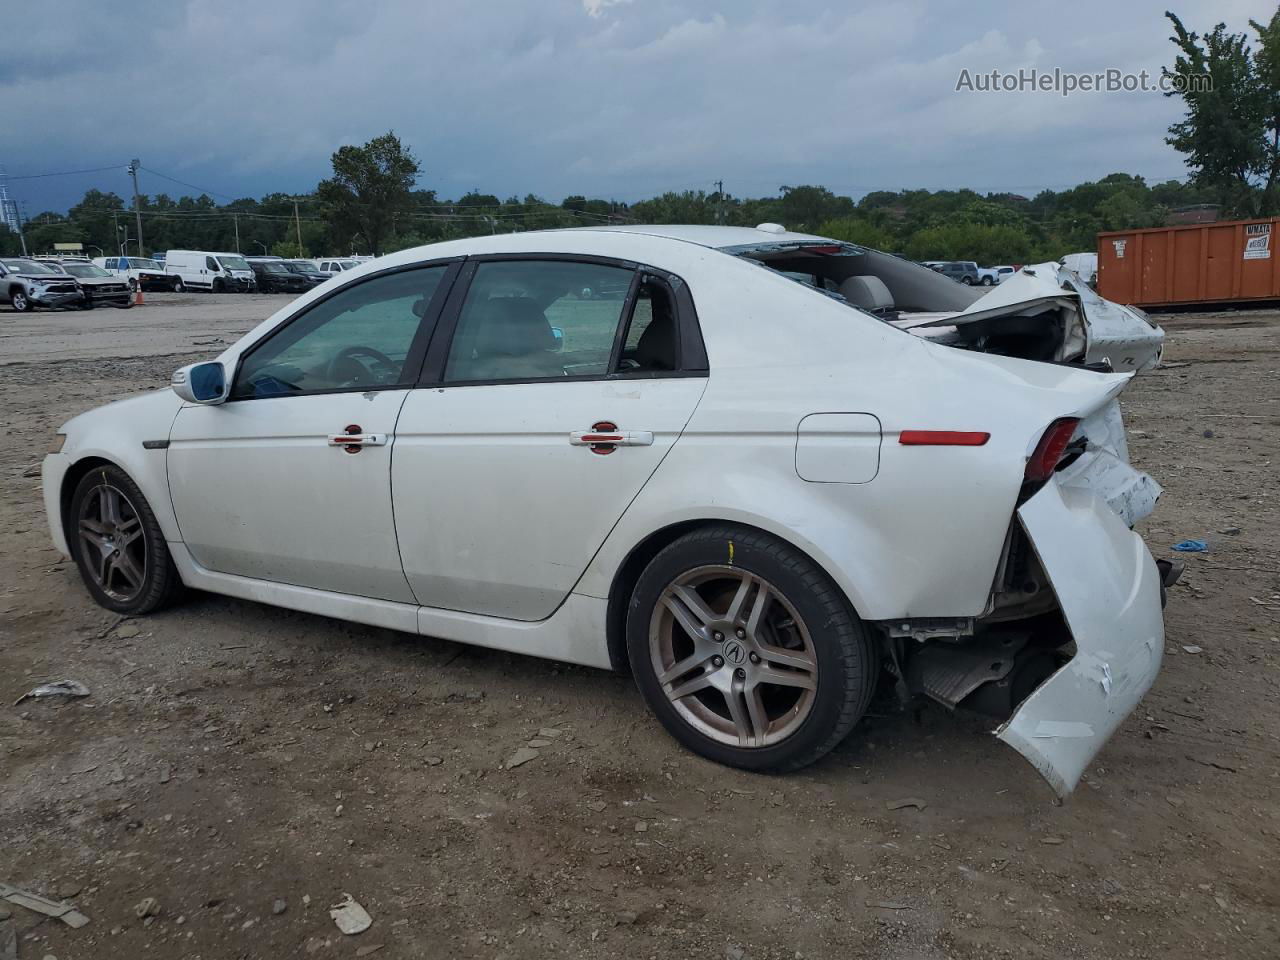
column 629, row 571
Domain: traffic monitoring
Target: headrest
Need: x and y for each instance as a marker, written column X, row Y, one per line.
column 867, row 292
column 513, row 327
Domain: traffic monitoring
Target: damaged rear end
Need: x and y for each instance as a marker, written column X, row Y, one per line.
column 1073, row 631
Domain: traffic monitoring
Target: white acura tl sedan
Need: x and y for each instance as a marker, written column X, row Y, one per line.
column 765, row 471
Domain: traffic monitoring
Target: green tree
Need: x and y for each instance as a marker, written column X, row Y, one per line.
column 370, row 184
column 1231, row 132
column 859, row 231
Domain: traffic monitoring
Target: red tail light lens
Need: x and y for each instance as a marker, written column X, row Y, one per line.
column 1050, row 449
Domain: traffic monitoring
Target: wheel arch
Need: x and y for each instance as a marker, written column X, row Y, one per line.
column 638, row 557
column 71, row 479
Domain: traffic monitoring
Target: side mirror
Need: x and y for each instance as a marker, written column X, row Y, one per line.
column 201, row 383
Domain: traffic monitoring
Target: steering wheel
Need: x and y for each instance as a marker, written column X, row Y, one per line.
column 347, row 355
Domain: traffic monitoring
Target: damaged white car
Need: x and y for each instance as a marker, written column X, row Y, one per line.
column 652, row 448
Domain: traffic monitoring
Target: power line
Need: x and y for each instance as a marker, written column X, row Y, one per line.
column 66, row 173
column 190, row 186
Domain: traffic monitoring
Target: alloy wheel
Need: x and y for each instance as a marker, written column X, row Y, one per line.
column 112, row 542
column 733, row 656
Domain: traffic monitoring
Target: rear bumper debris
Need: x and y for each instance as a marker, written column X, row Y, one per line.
column 1109, row 589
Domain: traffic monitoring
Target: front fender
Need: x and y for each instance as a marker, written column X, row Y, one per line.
column 116, row 433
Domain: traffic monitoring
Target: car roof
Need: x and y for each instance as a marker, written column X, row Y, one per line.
column 713, row 236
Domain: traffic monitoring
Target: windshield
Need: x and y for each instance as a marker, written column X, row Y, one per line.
column 234, row 263
column 274, row 268
column 85, row 270
column 27, row 266
column 143, row 263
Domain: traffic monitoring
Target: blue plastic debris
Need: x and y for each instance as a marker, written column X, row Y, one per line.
column 1191, row 546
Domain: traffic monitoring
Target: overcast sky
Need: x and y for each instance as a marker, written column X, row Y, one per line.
column 609, row 98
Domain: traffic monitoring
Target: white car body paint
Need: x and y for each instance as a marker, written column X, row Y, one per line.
column 494, row 561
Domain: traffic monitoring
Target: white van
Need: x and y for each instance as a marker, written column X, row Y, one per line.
column 209, row 270
column 1085, row 264
column 332, row 266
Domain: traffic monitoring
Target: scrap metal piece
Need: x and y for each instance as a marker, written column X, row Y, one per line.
column 58, row 688
column 50, row 908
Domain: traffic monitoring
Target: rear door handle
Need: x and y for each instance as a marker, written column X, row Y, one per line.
column 605, row 437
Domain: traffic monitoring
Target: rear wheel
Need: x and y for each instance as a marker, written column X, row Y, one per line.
column 746, row 651
column 117, row 544
column 986, row 281
column 179, row 286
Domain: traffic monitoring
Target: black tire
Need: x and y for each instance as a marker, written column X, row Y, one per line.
column 967, row 281
column 133, row 285
column 86, row 303
column 179, row 286
column 128, row 304
column 218, row 285
column 986, row 281
column 158, row 582
column 20, row 301
column 841, row 646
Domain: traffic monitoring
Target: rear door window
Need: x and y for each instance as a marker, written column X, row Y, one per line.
column 538, row 320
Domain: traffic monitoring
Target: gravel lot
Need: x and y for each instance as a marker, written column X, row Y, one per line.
column 233, row 755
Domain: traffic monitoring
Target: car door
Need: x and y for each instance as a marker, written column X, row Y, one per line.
column 551, row 393
column 289, row 480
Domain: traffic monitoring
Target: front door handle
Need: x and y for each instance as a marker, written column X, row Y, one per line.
column 605, row 437
column 354, row 439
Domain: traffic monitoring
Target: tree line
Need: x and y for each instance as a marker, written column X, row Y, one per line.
column 920, row 224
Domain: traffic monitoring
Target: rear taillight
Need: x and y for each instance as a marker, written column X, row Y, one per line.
column 1050, row 449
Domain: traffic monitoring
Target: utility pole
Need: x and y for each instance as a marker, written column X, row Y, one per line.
column 236, row 218
column 137, row 206
column 297, row 222
column 115, row 230
column 720, row 202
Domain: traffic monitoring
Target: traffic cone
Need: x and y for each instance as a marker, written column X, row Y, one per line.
column 139, row 299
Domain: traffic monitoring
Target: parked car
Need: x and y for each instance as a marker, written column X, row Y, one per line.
column 100, row 287
column 274, row 276
column 146, row 271
column 987, row 276
column 961, row 271
column 307, row 269
column 1004, row 272
column 1083, row 264
column 332, row 266
column 26, row 284
column 732, row 483
column 209, row 270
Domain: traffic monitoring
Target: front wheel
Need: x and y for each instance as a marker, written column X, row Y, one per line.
column 179, row 286
column 746, row 651
column 21, row 302
column 986, row 281
column 218, row 285
column 86, row 303
column 117, row 544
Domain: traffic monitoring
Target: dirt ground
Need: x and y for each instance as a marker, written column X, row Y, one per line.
column 233, row 755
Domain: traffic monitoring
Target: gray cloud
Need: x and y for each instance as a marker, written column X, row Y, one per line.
column 618, row 98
